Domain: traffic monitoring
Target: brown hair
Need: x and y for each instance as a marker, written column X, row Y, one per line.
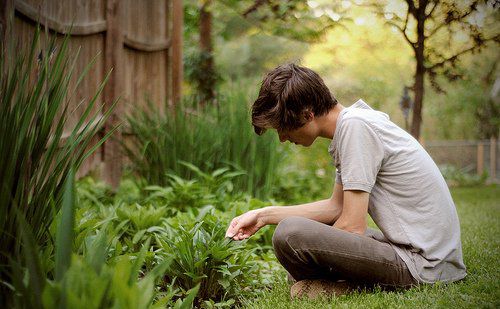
column 286, row 95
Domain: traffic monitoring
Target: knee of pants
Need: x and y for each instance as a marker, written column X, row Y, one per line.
column 287, row 227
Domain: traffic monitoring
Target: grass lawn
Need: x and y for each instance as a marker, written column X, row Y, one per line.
column 479, row 213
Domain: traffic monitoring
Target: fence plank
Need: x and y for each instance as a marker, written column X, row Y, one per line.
column 480, row 158
column 177, row 73
column 6, row 14
column 41, row 13
column 493, row 158
column 146, row 46
column 112, row 167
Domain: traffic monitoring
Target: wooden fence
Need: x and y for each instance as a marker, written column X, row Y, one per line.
column 141, row 40
column 472, row 156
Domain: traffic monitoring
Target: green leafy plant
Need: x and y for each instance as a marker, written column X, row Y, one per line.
column 209, row 138
column 91, row 283
column 200, row 254
column 215, row 188
column 214, row 271
column 36, row 157
column 90, row 280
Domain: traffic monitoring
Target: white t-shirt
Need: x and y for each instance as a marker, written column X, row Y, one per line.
column 409, row 199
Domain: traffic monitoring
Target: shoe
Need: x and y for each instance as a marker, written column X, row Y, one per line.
column 314, row 288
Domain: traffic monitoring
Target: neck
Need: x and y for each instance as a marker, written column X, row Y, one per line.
column 328, row 123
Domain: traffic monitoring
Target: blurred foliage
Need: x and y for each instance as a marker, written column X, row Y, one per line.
column 299, row 20
column 205, row 79
column 456, row 177
column 246, row 58
column 307, row 174
column 209, row 137
column 469, row 111
column 249, row 36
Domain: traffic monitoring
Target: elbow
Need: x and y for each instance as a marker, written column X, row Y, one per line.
column 354, row 230
column 360, row 230
column 334, row 212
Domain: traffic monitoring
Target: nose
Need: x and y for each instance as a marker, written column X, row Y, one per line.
column 282, row 137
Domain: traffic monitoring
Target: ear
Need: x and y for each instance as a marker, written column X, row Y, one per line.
column 308, row 115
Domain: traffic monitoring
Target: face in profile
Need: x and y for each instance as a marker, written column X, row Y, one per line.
column 305, row 135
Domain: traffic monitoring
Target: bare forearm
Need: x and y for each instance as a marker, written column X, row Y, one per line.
column 325, row 211
column 353, row 217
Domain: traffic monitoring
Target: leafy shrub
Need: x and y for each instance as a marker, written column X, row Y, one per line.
column 200, row 254
column 456, row 177
column 193, row 239
column 91, row 283
column 94, row 281
column 92, row 192
column 210, row 138
column 215, row 188
column 148, row 255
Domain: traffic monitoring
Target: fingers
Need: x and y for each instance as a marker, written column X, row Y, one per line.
column 241, row 235
column 239, row 229
column 236, row 232
column 233, row 228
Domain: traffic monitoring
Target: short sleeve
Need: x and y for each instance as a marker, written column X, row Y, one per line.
column 338, row 176
column 361, row 153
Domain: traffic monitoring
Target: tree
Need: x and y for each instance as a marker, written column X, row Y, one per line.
column 300, row 20
column 431, row 28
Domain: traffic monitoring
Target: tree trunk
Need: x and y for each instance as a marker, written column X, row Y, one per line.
column 206, row 27
column 207, row 83
column 418, row 86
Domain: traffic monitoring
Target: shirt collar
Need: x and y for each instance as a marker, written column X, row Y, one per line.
column 358, row 104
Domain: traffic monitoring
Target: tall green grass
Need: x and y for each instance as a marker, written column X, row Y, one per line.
column 36, row 159
column 209, row 137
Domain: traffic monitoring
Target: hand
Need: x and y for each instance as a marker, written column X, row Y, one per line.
column 244, row 226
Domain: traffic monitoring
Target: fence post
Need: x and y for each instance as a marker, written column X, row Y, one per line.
column 493, row 159
column 480, row 158
column 112, row 154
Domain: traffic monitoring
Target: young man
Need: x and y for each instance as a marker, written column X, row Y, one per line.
column 380, row 170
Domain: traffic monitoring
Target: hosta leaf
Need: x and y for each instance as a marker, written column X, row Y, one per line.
column 138, row 236
column 194, row 276
column 200, row 263
column 204, row 211
column 219, row 172
column 187, row 303
column 224, row 283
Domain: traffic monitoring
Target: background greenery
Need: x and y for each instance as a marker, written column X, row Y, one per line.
column 359, row 56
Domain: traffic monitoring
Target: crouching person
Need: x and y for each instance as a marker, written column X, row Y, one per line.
column 381, row 170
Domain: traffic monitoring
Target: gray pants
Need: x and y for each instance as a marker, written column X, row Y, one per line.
column 312, row 250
